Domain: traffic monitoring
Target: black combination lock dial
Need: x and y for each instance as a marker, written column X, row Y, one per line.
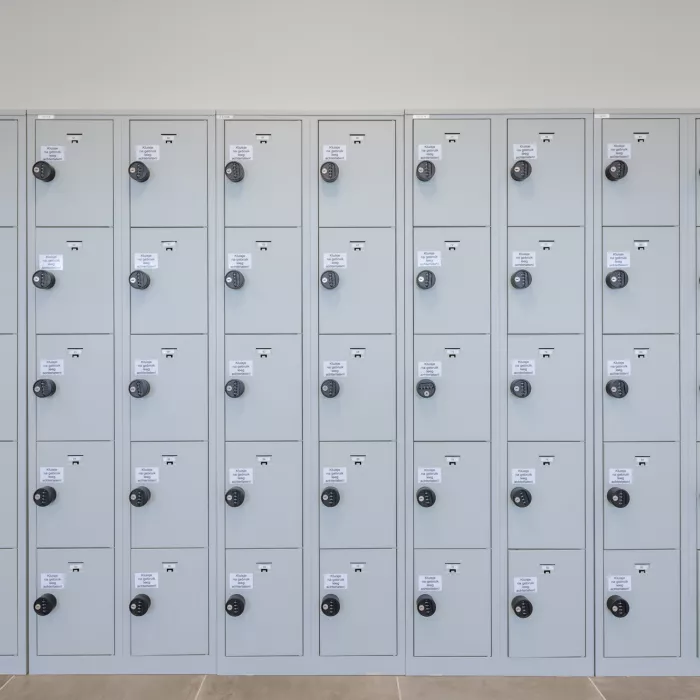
column 235, row 388
column 44, row 604
column 617, row 388
column 426, row 388
column 44, row 496
column 139, row 171
column 330, row 388
column 616, row 170
column 329, row 171
column 618, row 497
column 522, row 607
column 426, row 497
column 618, row 606
column 521, row 497
column 520, row 388
column 43, row 388
column 235, row 605
column 234, row 497
column 234, row 279
column 140, row 496
column 139, row 279
column 425, row 279
column 43, row 171
column 330, row 605
column 330, row 497
column 425, row 605
column 234, row 171
column 139, row 388
column 43, row 279
column 425, row 170
column 139, row 605
column 330, row 279
column 521, row 279
column 521, row 170
column 617, row 279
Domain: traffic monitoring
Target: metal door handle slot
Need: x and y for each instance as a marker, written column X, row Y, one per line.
column 546, row 461
column 264, row 460
column 641, row 353
column 168, row 352
column 74, row 460
column 168, row 138
column 358, row 567
column 451, row 460
column 451, row 245
column 452, row 352
column 169, row 460
column 357, row 246
column 546, row 353
column 263, row 138
column 641, row 245
column 357, row 460
column 547, row 568
column 546, row 136
column 75, row 352
column 264, row 352
column 263, row 245
column 357, row 139
column 169, row 245
column 357, row 353
column 75, row 567
column 641, row 136
column 169, row 566
column 74, row 138
column 642, row 461
column 546, row 245
column 642, row 568
column 451, row 138
column 452, row 568
column 264, row 567
column 74, row 245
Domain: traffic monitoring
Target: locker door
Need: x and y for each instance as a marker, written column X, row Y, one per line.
column 8, row 281
column 456, row 302
column 270, row 154
column 8, row 601
column 270, row 583
column 175, row 261
column 81, row 261
column 82, row 191
column 82, row 474
column 82, row 623
column 364, row 192
column 82, row 367
column 268, row 262
column 176, row 475
column 648, row 194
column 364, row 299
column 175, row 366
column 458, row 193
column 268, row 367
column 8, row 387
column 9, row 174
column 8, row 494
column 454, row 579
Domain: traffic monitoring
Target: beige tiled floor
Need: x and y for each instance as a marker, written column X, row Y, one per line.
column 342, row 688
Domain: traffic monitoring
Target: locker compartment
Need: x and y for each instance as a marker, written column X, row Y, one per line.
column 8, row 494
column 363, row 193
column 265, row 294
column 641, row 492
column 458, row 261
column 81, row 262
column 553, row 366
column 451, row 495
column 648, row 195
column 364, row 368
column 269, row 152
column 554, row 583
column 82, row 623
column 176, row 477
column 9, row 601
column 176, row 368
column 646, row 261
column 9, row 174
column 8, row 387
column 269, row 581
column 550, row 261
column 174, row 262
column 459, row 368
column 82, row 368
column 8, row 281
column 357, row 494
column 176, row 582
column 175, row 153
column 82, row 476
column 268, row 369
column 363, row 263
column 551, row 477
column 457, row 585
column 649, row 583
column 648, row 366
column 81, row 153
column 268, row 476
column 362, row 584
column 458, row 191
column 553, row 194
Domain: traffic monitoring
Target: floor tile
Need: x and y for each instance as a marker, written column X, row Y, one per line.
column 3, row 680
column 674, row 688
column 299, row 688
column 491, row 688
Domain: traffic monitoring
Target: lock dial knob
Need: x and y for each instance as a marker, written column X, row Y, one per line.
column 426, row 388
column 44, row 496
column 43, row 171
column 617, row 279
column 235, row 605
column 139, row 171
column 618, row 606
column 330, row 497
column 43, row 388
column 234, row 171
column 235, row 497
column 330, row 605
column 139, row 279
column 425, row 170
column 425, row 279
column 616, row 170
column 522, row 607
column 330, row 388
column 43, row 279
column 521, row 279
column 330, row 279
column 617, row 388
column 329, row 171
column 234, row 279
column 521, row 170
column 520, row 388
column 618, row 497
column 139, row 605
column 425, row 605
column 426, row 497
column 140, row 496
column 44, row 604
column 235, row 388
column 521, row 497
column 139, row 388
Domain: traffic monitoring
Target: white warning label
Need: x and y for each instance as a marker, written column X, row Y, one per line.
column 144, row 368
column 240, row 581
column 619, row 476
column 431, row 151
column 146, row 580
column 429, row 258
column 151, row 152
column 335, row 152
column 619, row 583
column 522, row 476
column 429, row 475
column 522, row 367
column 525, row 584
column 50, row 261
column 429, row 582
column 335, row 582
column 619, row 368
column 53, row 581
column 50, row 368
column 620, row 151
column 335, row 475
column 618, row 258
column 335, row 368
column 431, row 368
column 524, row 151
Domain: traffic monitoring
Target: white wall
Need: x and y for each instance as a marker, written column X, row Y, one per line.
column 348, row 54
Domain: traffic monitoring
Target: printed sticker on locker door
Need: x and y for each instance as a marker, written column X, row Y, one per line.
column 524, row 258
column 240, row 581
column 618, row 258
column 432, row 368
column 240, row 475
column 525, row 584
column 335, row 261
column 335, row 475
column 148, row 152
column 335, row 582
column 524, row 151
column 145, row 261
column 429, row 475
column 619, row 368
column 147, row 475
column 619, row 476
column 335, row 152
column 620, row 151
column 144, row 368
column 430, row 151
column 523, row 367
column 335, row 368
column 619, row 583
column 51, row 475
column 522, row 476
column 51, row 368
column 49, row 261
column 240, row 368
column 240, row 152
column 428, row 583
column 49, row 581
column 52, row 153
column 240, row 261
column 146, row 580
column 429, row 258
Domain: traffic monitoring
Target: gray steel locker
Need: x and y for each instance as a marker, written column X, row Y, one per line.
column 365, row 190
column 270, row 192
column 9, row 469
column 82, row 298
column 82, row 623
column 270, row 476
column 554, row 582
column 8, row 387
column 364, row 475
column 176, row 475
column 648, row 194
column 459, row 367
column 177, row 406
column 269, row 369
column 648, row 474
column 646, row 260
column 458, row 194
column 364, row 366
column 459, row 475
column 176, row 581
column 364, row 300
column 82, row 367
column 175, row 193
column 8, row 281
column 650, row 583
column 9, row 602
column 364, row 581
column 648, row 364
column 9, row 147
column 553, row 473
column 82, row 474
column 553, row 365
column 269, row 261
column 460, row 262
column 459, row 583
column 82, row 154
column 554, row 301
column 175, row 300
column 270, row 583
column 554, row 192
